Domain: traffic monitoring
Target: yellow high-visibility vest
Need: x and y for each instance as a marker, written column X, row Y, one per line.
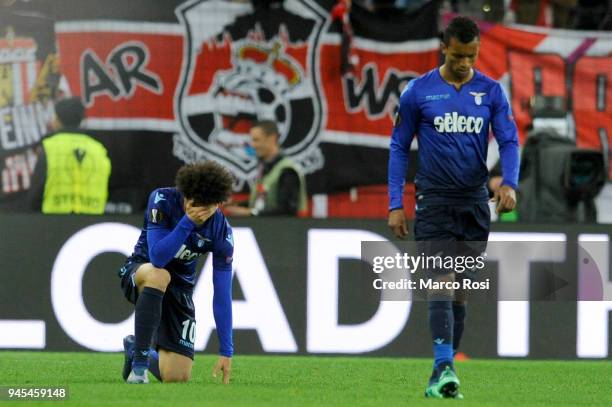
column 266, row 188
column 78, row 169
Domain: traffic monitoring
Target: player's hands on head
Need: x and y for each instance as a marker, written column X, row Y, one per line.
column 505, row 198
column 397, row 223
column 199, row 214
column 224, row 364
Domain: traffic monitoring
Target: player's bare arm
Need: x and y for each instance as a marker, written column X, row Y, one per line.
column 505, row 198
column 397, row 223
column 223, row 365
column 199, row 214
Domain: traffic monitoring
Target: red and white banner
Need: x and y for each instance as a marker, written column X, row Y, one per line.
column 224, row 66
column 29, row 83
column 572, row 64
column 189, row 86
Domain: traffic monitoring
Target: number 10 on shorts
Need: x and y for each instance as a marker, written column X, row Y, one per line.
column 189, row 327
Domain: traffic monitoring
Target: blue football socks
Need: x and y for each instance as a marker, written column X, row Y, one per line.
column 154, row 364
column 148, row 315
column 459, row 314
column 441, row 327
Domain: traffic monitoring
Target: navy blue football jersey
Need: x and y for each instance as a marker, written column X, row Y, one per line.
column 164, row 214
column 452, row 127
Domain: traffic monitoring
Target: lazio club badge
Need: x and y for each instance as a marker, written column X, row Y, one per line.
column 478, row 97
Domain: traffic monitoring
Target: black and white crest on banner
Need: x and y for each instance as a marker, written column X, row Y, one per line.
column 241, row 66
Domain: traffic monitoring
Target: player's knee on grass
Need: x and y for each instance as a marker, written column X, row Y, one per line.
column 150, row 276
column 173, row 376
column 173, row 367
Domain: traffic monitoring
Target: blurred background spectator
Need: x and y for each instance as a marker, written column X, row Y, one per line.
column 280, row 188
column 72, row 173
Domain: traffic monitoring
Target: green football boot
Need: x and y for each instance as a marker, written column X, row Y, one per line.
column 432, row 386
column 448, row 384
column 432, row 391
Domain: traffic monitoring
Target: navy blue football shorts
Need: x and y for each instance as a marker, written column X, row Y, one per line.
column 176, row 332
column 452, row 230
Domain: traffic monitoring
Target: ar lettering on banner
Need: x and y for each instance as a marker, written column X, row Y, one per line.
column 124, row 71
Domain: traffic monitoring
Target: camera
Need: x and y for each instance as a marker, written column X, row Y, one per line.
column 559, row 181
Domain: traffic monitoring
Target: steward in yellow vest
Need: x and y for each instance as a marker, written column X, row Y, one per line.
column 267, row 197
column 280, row 188
column 75, row 167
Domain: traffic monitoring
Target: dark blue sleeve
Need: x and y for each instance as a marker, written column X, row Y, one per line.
column 506, row 134
column 222, row 284
column 163, row 241
column 404, row 127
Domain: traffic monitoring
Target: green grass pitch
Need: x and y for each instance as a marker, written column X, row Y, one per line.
column 94, row 379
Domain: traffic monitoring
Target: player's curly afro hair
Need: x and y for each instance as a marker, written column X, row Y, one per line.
column 207, row 183
column 461, row 28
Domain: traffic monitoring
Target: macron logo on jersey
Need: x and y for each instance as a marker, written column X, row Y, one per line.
column 158, row 197
column 453, row 123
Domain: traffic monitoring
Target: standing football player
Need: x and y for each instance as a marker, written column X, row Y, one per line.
column 451, row 109
column 180, row 225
